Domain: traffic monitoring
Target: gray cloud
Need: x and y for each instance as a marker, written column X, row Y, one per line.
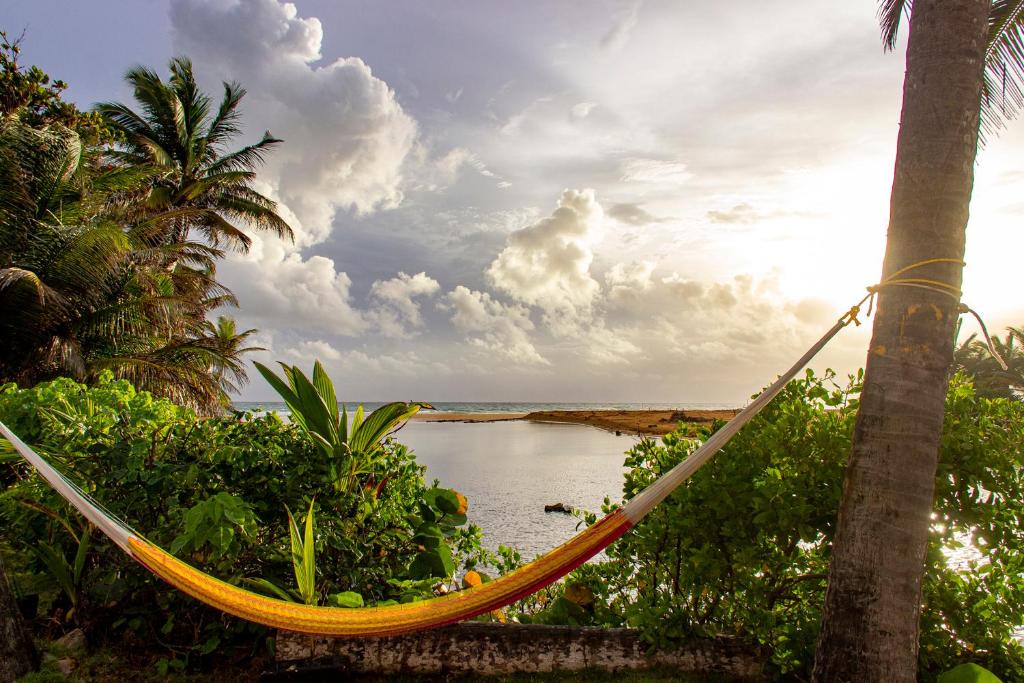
column 634, row 214
column 347, row 136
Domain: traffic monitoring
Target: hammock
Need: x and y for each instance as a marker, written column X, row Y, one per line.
column 425, row 614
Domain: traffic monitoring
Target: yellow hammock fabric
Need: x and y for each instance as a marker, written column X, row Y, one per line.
column 425, row 614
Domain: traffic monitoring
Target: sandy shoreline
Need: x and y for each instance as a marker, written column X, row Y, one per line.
column 653, row 422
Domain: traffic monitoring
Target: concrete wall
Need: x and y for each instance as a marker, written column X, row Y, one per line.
column 489, row 648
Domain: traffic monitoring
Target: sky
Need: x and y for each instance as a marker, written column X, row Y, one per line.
column 569, row 200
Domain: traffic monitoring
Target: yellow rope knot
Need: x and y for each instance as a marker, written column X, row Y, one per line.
column 852, row 315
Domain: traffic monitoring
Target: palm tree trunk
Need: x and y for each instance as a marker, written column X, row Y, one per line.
column 872, row 606
column 17, row 655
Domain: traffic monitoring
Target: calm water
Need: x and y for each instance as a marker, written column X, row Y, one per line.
column 493, row 407
column 510, row 470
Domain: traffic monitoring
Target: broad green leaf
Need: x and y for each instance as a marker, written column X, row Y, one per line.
column 379, row 423
column 82, row 553
column 446, row 501
column 309, row 557
column 346, row 599
column 314, row 410
column 271, row 588
column 325, row 388
column 289, row 396
column 969, row 673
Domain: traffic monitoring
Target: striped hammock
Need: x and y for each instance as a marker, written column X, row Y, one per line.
column 415, row 616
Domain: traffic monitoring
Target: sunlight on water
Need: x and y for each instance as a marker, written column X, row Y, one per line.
column 511, row 470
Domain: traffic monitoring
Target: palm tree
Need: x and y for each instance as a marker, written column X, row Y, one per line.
column 179, row 134
column 1003, row 94
column 59, row 250
column 974, row 359
column 79, row 292
column 872, row 605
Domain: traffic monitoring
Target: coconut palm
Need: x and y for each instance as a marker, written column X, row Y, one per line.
column 79, row 292
column 230, row 344
column 59, row 252
column 974, row 359
column 869, row 629
column 1004, row 57
column 178, row 132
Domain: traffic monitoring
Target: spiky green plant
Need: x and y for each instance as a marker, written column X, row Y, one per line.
column 351, row 449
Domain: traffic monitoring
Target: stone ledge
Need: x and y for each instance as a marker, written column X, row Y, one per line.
column 488, row 648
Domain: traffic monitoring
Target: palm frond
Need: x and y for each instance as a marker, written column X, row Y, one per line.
column 1004, row 65
column 890, row 15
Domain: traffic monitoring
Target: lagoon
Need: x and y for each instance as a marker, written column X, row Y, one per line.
column 510, row 470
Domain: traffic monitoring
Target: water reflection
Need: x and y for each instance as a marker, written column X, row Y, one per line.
column 511, row 470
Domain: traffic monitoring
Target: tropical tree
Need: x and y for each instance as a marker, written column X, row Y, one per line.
column 82, row 283
column 1003, row 93
column 974, row 358
column 230, row 344
column 60, row 251
column 872, row 606
column 178, row 133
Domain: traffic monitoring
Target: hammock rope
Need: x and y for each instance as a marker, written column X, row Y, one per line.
column 435, row 612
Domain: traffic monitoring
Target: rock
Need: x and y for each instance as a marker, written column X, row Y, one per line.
column 71, row 642
column 559, row 507
column 65, row 666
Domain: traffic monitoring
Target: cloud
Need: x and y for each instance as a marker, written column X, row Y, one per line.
column 634, row 214
column 608, row 347
column 346, row 136
column 654, row 171
column 746, row 214
column 458, row 157
column 281, row 289
column 581, row 110
column 617, row 35
column 397, row 313
column 493, row 326
column 547, row 264
column 742, row 213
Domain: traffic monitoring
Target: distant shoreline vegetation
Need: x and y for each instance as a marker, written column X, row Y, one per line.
column 503, row 407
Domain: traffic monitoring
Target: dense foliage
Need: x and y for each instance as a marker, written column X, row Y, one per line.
column 991, row 380
column 99, row 266
column 743, row 548
column 216, row 492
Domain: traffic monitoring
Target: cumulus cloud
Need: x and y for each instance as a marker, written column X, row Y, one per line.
column 678, row 322
column 633, row 214
column 547, row 264
column 352, row 363
column 493, row 326
column 346, row 136
column 397, row 313
column 279, row 287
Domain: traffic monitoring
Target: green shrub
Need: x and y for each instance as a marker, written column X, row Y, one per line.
column 743, row 547
column 214, row 491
